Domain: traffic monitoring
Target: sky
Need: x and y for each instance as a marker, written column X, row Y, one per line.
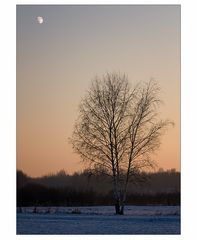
column 56, row 61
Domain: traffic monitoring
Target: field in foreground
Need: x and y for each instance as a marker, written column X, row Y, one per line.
column 99, row 220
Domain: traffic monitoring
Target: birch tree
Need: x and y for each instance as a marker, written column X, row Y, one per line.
column 118, row 129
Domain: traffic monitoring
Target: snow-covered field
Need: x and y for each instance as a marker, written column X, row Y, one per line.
column 99, row 220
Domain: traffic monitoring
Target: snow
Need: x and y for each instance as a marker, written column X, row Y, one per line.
column 99, row 220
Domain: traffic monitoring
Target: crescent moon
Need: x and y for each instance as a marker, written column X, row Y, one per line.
column 40, row 19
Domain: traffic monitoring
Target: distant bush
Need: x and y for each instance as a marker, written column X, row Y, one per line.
column 91, row 190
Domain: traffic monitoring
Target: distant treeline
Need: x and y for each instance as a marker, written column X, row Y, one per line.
column 86, row 188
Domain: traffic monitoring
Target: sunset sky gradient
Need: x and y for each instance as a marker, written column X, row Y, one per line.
column 57, row 59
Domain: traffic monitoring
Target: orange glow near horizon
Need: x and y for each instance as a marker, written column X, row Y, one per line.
column 56, row 61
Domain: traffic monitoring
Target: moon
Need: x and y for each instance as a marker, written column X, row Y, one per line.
column 40, row 19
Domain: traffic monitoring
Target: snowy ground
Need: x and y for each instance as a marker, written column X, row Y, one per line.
column 99, row 220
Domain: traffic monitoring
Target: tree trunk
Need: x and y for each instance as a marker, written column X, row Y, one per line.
column 122, row 210
column 119, row 208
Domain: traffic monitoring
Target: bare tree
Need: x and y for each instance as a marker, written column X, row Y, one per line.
column 118, row 129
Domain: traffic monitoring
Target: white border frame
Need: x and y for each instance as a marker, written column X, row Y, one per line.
column 188, row 120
